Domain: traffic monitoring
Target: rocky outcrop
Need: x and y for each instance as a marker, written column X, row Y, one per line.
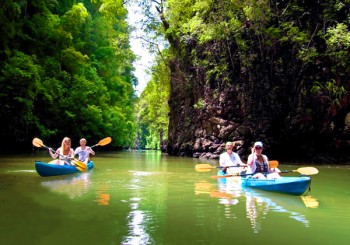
column 278, row 78
column 259, row 104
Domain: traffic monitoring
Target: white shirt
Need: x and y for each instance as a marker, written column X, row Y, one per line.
column 83, row 154
column 232, row 159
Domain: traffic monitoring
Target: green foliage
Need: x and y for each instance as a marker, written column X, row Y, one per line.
column 338, row 38
column 18, row 96
column 73, row 20
column 293, row 34
column 330, row 89
column 270, row 56
column 199, row 105
column 153, row 108
column 338, row 44
column 66, row 70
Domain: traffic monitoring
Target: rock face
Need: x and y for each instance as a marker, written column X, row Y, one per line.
column 265, row 103
column 278, row 78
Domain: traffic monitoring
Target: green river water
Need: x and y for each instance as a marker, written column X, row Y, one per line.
column 150, row 198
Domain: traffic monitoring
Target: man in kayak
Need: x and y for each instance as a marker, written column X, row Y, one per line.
column 230, row 161
column 258, row 164
column 84, row 151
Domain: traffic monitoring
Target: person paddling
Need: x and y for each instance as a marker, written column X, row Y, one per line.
column 230, row 158
column 65, row 152
column 83, row 151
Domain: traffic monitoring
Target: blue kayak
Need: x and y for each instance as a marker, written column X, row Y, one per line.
column 45, row 169
column 288, row 185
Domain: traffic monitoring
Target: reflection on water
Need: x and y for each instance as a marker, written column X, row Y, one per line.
column 309, row 201
column 137, row 217
column 258, row 206
column 136, row 223
column 257, row 203
column 103, row 197
column 74, row 186
column 142, row 198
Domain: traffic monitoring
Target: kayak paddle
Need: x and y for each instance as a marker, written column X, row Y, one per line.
column 207, row 167
column 78, row 164
column 103, row 142
column 304, row 170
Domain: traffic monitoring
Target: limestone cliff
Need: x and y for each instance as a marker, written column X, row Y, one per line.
column 262, row 105
column 275, row 71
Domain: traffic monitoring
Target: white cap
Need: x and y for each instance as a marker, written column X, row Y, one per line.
column 258, row 143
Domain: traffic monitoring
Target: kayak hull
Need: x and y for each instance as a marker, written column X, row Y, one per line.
column 45, row 169
column 289, row 185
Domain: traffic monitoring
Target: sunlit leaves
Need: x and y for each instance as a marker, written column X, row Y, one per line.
column 73, row 20
column 338, row 38
column 112, row 9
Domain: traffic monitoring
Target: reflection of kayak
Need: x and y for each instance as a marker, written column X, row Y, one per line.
column 50, row 169
column 258, row 204
column 288, row 185
column 74, row 185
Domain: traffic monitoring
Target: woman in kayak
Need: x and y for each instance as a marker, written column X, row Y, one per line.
column 258, row 164
column 65, row 152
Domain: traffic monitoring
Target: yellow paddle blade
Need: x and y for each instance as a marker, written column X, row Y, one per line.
column 79, row 164
column 273, row 164
column 203, row 170
column 307, row 170
column 38, row 142
column 204, row 167
column 80, row 168
column 104, row 141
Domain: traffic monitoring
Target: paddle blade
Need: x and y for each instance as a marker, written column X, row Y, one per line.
column 104, row 141
column 273, row 164
column 204, row 167
column 38, row 142
column 80, row 168
column 79, row 164
column 307, row 170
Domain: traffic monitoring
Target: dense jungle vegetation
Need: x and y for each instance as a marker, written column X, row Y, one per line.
column 66, row 69
column 248, row 70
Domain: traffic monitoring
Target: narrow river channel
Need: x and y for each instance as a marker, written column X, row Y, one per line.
column 150, row 198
